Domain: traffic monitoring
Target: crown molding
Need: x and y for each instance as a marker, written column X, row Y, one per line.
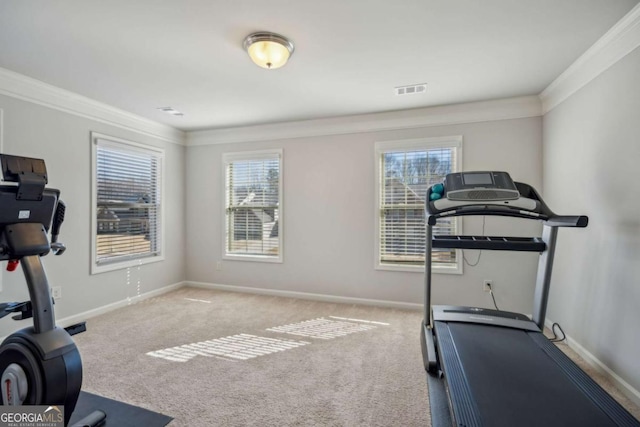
column 503, row 109
column 27, row 89
column 619, row 41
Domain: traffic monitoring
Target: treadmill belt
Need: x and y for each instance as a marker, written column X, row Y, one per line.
column 497, row 362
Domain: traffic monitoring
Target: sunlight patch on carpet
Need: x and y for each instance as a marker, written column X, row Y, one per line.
column 198, row 300
column 373, row 322
column 235, row 347
column 322, row 328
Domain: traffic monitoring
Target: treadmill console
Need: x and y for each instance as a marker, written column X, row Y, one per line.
column 483, row 193
column 480, row 186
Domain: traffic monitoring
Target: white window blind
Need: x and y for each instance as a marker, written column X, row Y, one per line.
column 405, row 175
column 253, row 205
column 128, row 202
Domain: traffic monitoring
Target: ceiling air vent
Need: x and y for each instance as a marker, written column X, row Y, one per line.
column 412, row 89
column 171, row 110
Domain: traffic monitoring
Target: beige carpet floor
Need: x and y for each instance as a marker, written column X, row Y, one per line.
column 213, row 358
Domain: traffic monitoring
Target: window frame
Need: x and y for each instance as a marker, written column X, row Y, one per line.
column 133, row 146
column 430, row 143
column 247, row 156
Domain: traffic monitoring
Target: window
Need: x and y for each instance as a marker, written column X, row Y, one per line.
column 127, row 203
column 253, row 205
column 405, row 170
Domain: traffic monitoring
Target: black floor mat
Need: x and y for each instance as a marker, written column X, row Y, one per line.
column 119, row 414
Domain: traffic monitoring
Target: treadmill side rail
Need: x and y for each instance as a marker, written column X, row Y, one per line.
column 619, row 415
column 439, row 401
column 429, row 356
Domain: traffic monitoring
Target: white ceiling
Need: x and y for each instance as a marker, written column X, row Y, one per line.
column 139, row 55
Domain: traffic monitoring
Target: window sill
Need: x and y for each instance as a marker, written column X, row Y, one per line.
column 97, row 269
column 419, row 269
column 253, row 258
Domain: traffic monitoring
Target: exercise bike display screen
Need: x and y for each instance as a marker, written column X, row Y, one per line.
column 477, row 179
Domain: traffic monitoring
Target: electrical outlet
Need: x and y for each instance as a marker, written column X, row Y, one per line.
column 219, row 265
column 56, row 292
column 487, row 285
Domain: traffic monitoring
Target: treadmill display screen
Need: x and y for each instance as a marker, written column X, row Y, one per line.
column 477, row 179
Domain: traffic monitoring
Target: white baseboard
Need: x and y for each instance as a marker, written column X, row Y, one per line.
column 306, row 295
column 621, row 384
column 80, row 317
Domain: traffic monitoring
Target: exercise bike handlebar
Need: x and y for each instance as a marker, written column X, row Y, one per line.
column 58, row 219
column 58, row 248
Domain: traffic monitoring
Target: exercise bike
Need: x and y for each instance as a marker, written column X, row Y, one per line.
column 39, row 365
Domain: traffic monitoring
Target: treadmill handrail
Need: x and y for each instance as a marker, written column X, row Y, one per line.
column 568, row 221
column 529, row 197
column 580, row 221
column 499, row 243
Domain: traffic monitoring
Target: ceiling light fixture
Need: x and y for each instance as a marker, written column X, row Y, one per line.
column 268, row 50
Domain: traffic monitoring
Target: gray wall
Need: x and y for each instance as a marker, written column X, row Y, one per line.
column 591, row 160
column 63, row 141
column 329, row 209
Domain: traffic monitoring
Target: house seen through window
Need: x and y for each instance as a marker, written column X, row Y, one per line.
column 127, row 203
column 406, row 171
column 253, row 205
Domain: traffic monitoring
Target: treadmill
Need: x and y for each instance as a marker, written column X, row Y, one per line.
column 496, row 368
